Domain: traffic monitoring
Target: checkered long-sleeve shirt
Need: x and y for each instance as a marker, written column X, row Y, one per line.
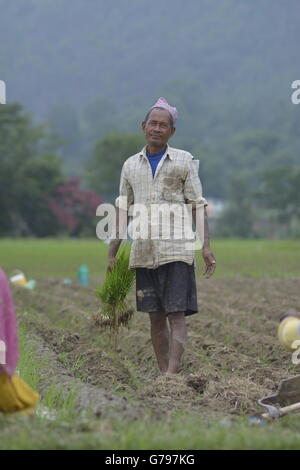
column 175, row 185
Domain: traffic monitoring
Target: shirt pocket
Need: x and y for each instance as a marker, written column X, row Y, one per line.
column 172, row 188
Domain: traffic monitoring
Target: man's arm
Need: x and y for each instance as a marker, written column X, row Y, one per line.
column 123, row 202
column 207, row 254
column 193, row 195
column 121, row 226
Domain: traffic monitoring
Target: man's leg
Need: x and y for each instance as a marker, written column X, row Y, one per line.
column 160, row 339
column 178, row 339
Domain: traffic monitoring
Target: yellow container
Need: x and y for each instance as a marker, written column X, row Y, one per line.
column 289, row 331
column 18, row 278
column 16, row 395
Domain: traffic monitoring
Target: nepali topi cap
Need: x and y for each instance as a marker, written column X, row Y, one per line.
column 162, row 103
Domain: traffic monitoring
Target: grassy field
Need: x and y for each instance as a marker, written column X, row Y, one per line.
column 94, row 399
column 236, row 258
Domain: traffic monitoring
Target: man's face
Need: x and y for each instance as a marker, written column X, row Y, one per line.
column 158, row 128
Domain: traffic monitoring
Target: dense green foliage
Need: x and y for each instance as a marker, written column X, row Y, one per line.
column 28, row 175
column 93, row 70
column 106, row 162
column 263, row 203
column 35, row 199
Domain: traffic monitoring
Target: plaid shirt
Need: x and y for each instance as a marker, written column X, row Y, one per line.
column 176, row 181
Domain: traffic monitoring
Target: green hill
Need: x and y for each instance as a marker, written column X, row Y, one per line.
column 92, row 67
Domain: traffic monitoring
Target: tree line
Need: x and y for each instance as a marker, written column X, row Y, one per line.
column 257, row 177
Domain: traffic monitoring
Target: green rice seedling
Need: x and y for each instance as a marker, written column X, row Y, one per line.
column 115, row 311
column 60, row 401
column 57, row 397
column 29, row 366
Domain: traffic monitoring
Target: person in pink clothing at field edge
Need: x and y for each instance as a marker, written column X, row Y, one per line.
column 15, row 394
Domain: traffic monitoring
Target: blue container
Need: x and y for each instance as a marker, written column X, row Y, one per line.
column 83, row 275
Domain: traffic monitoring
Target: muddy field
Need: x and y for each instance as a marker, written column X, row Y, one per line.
column 232, row 358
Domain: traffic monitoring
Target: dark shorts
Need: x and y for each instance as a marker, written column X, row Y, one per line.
column 169, row 288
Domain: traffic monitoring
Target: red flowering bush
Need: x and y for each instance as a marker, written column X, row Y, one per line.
column 74, row 208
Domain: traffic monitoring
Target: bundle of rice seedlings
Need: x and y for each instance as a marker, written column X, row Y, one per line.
column 115, row 311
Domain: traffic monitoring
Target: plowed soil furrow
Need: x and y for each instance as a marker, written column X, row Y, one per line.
column 233, row 357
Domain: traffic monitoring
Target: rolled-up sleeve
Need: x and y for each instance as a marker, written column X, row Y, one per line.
column 192, row 186
column 126, row 196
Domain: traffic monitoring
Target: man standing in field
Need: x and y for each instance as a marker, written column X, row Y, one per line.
column 161, row 176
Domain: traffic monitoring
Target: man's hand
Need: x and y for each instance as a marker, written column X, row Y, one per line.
column 110, row 264
column 112, row 253
column 121, row 225
column 210, row 262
